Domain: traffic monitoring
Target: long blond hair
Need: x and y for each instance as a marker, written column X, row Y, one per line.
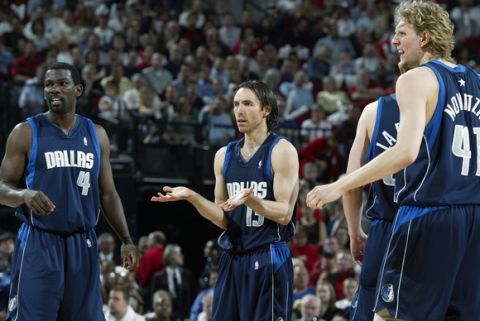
column 429, row 17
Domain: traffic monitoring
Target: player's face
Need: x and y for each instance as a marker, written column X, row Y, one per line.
column 60, row 92
column 408, row 44
column 249, row 115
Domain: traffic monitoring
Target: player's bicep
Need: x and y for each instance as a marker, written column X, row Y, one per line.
column 106, row 176
column 16, row 154
column 412, row 98
column 221, row 194
column 285, row 167
column 361, row 142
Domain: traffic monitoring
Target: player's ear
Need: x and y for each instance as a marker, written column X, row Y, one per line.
column 267, row 110
column 78, row 90
column 424, row 39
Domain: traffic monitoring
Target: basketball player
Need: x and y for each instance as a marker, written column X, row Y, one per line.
column 64, row 159
column 376, row 132
column 431, row 264
column 255, row 192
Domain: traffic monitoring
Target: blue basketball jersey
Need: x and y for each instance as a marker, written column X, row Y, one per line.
column 246, row 229
column 447, row 168
column 66, row 168
column 380, row 203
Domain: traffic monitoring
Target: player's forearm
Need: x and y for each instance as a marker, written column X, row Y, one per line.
column 352, row 203
column 10, row 196
column 276, row 211
column 388, row 163
column 209, row 210
column 113, row 211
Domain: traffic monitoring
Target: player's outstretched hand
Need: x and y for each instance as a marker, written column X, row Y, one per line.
column 321, row 195
column 237, row 200
column 38, row 202
column 172, row 194
column 129, row 255
column 357, row 246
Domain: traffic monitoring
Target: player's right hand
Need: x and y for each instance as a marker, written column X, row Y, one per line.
column 357, row 246
column 38, row 202
column 172, row 194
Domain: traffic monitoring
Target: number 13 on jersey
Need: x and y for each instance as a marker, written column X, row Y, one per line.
column 253, row 219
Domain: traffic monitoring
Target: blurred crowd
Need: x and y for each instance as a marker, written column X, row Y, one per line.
column 163, row 72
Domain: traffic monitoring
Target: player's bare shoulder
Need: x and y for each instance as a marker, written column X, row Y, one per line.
column 219, row 159
column 21, row 137
column 284, row 155
column 367, row 118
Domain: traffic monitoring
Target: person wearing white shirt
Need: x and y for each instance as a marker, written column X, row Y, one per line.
column 119, row 309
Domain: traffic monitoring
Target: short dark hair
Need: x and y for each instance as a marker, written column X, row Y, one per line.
column 77, row 80
column 266, row 97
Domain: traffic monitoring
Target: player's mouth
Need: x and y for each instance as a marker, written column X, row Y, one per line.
column 55, row 101
column 400, row 53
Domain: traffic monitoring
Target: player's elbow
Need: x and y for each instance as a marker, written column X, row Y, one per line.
column 285, row 218
column 407, row 156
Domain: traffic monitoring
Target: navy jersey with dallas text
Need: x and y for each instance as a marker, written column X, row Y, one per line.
column 447, row 168
column 246, row 229
column 380, row 203
column 66, row 168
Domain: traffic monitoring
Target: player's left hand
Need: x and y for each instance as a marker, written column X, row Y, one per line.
column 321, row 195
column 129, row 255
column 237, row 199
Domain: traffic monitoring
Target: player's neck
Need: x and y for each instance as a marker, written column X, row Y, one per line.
column 253, row 140
column 64, row 121
column 429, row 57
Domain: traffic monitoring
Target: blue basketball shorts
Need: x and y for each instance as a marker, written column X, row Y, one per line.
column 431, row 269
column 55, row 277
column 255, row 286
column 364, row 300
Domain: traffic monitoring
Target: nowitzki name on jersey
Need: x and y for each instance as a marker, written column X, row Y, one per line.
column 464, row 102
column 69, row 158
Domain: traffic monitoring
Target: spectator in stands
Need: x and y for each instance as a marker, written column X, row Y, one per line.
column 310, row 308
column 336, row 43
column 217, row 121
column 198, row 305
column 198, row 10
column 330, row 97
column 349, row 287
column 31, row 101
column 177, row 280
column 308, row 253
column 116, row 76
column 301, row 282
column 35, row 32
column 181, row 128
column 157, row 77
column 106, row 248
column 207, row 303
column 326, row 293
column 299, row 97
column 5, row 280
column 318, row 66
column 24, row 66
column 229, row 32
column 317, row 126
column 162, row 307
column 364, row 90
column 152, row 260
column 119, row 309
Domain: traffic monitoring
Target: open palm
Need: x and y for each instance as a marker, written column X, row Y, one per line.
column 172, row 194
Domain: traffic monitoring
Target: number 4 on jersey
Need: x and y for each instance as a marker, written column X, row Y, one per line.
column 83, row 181
column 461, row 147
